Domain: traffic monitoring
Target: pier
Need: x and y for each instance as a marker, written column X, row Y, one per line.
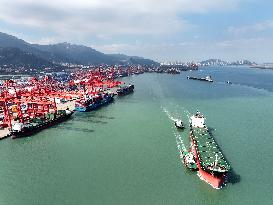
column 4, row 133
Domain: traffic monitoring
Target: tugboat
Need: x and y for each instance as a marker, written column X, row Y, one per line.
column 211, row 163
column 19, row 129
column 179, row 124
column 124, row 90
column 187, row 157
column 190, row 161
column 207, row 78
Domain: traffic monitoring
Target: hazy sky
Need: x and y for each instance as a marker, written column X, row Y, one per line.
column 159, row 29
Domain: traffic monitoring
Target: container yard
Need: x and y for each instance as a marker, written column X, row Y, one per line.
column 28, row 105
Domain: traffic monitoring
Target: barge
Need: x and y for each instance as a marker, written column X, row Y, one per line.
column 207, row 78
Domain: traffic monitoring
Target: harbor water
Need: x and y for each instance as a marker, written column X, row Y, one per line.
column 126, row 152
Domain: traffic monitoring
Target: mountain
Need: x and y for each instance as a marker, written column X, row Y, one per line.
column 16, row 57
column 79, row 54
column 69, row 53
column 8, row 41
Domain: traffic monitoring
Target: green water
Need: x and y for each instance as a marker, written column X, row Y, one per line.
column 126, row 153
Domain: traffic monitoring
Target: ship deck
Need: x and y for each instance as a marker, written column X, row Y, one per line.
column 208, row 149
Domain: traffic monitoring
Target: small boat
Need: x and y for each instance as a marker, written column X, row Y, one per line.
column 190, row 161
column 179, row 124
column 228, row 82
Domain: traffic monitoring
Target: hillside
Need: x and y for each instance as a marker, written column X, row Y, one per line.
column 67, row 53
column 17, row 57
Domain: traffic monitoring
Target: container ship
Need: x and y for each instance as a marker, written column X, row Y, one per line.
column 19, row 129
column 124, row 90
column 93, row 103
column 211, row 164
column 207, row 78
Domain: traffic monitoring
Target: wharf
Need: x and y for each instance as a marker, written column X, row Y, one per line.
column 4, row 133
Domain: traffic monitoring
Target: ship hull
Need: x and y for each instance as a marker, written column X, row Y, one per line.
column 216, row 182
column 39, row 127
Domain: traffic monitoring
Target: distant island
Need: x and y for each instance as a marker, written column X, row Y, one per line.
column 211, row 62
column 263, row 66
column 215, row 62
column 218, row 62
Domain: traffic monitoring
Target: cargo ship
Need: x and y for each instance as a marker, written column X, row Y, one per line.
column 93, row 103
column 211, row 163
column 19, row 129
column 124, row 90
column 207, row 78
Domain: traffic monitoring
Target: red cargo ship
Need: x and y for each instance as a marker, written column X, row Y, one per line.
column 211, row 163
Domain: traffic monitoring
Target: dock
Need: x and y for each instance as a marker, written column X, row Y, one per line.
column 37, row 100
column 4, row 133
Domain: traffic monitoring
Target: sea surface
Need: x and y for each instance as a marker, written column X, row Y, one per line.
column 126, row 153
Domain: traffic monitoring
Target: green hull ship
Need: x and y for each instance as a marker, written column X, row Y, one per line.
column 212, row 165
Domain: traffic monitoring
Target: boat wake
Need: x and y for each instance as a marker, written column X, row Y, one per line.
column 169, row 114
column 178, row 138
column 172, row 118
column 180, row 144
column 264, row 90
